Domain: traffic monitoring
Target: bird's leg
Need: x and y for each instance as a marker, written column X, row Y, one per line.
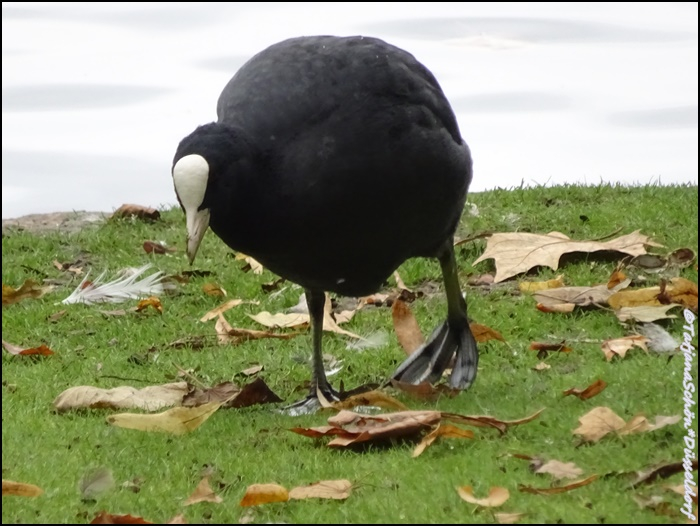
column 452, row 338
column 320, row 388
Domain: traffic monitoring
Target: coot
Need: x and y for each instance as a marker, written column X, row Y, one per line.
column 333, row 160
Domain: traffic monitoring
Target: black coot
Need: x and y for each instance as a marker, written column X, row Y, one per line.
column 333, row 160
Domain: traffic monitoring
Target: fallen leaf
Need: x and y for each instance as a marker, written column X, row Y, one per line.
column 497, row 496
column 203, row 493
column 616, row 279
column 151, row 398
column 29, row 289
column 543, row 348
column 227, row 334
column 157, row 247
column 257, row 494
column 138, row 211
column 214, row 313
column 601, row 421
column 256, row 392
column 399, row 282
column 508, row 518
column 406, row 327
column 535, row 286
column 42, row 350
column 645, row 313
column 442, row 430
column 178, row 420
column 178, row 519
column 489, row 421
column 150, row 302
column 597, row 423
column 20, row 489
column 95, row 482
column 372, row 398
column 557, row 489
column 280, row 320
column 325, row 489
column 107, row 518
column 56, row 316
column 251, row 263
column 213, row 289
column 563, row 297
column 589, row 392
column 680, row 291
column 250, row 371
column 222, row 392
column 482, row 333
column 640, row 424
column 620, row 346
column 559, row 470
column 518, row 252
column 561, row 308
column 541, row 367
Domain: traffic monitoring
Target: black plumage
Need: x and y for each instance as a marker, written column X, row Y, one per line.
column 334, row 160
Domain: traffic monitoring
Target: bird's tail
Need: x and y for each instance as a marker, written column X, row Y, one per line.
column 429, row 361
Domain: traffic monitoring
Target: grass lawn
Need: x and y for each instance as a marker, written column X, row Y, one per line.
column 253, row 445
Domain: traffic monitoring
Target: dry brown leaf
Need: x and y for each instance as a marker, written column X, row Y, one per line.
column 640, row 424
column 20, row 489
column 29, row 289
column 56, row 316
column 663, row 471
column 563, row 297
column 557, row 489
column 497, row 496
column 559, row 470
column 406, row 327
column 178, row 420
column 489, row 421
column 589, row 392
column 324, row 489
column 370, row 398
column 227, row 334
column 108, row 518
column 222, row 392
column 151, row 398
column 157, row 247
column 203, row 493
column 535, row 286
column 42, row 350
column 597, row 423
column 357, row 427
column 256, row 392
column 151, row 301
column 482, row 333
column 251, row 263
column 508, row 518
column 680, row 291
column 214, row 313
column 561, row 308
column 281, row 320
column 399, row 282
column 138, row 211
column 257, row 494
column 620, row 346
column 616, row 279
column 544, row 348
column 178, row 519
column 600, row 421
column 518, row 252
column 252, row 370
column 645, row 313
column 213, row 289
column 442, row 430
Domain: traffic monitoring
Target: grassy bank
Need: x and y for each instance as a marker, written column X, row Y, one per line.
column 253, row 445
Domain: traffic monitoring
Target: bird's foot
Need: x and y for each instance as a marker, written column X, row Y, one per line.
column 428, row 362
column 319, row 397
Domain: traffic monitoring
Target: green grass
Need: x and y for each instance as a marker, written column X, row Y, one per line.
column 254, row 445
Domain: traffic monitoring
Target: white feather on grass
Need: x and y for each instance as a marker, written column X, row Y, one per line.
column 126, row 287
